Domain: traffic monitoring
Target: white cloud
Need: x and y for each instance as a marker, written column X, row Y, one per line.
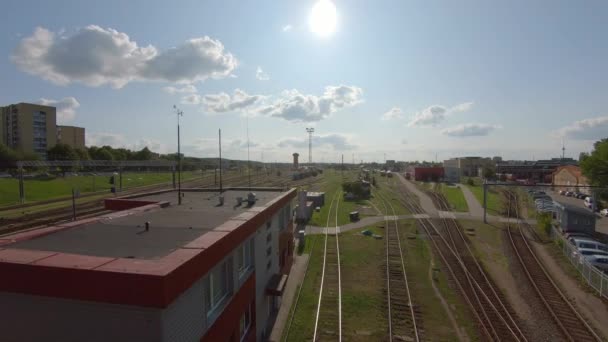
column 287, row 28
column 294, row 106
column 586, row 129
column 96, row 56
column 192, row 99
column 430, row 116
column 336, row 141
column 105, row 138
column 261, row 75
column 240, row 101
column 116, row 140
column 394, row 113
column 435, row 114
column 66, row 108
column 469, row 130
column 461, row 108
column 187, row 89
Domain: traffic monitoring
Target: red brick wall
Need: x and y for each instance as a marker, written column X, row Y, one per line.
column 226, row 326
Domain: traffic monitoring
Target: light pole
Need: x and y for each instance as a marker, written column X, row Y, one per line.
column 179, row 113
column 310, row 131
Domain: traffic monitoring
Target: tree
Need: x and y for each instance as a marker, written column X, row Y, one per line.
column 83, row 154
column 7, row 155
column 489, row 173
column 62, row 152
column 144, row 154
column 595, row 165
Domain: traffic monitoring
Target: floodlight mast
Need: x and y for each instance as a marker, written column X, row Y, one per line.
column 179, row 113
column 310, row 131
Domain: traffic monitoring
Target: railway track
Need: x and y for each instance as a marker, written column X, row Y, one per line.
column 492, row 316
column 328, row 320
column 572, row 325
column 488, row 294
column 403, row 315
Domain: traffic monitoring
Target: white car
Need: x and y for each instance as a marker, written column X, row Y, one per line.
column 589, row 244
column 599, row 261
column 604, row 212
column 585, row 253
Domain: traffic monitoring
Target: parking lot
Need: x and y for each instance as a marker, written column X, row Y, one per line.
column 601, row 223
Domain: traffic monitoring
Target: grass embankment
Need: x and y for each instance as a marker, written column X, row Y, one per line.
column 57, row 187
column 383, row 191
column 454, row 196
column 420, row 264
column 493, row 200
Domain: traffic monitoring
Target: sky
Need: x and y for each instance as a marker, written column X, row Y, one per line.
column 409, row 80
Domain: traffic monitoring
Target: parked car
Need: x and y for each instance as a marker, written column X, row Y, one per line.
column 585, row 253
column 599, row 261
column 577, row 235
column 587, row 243
column 604, row 212
column 569, row 193
column 562, row 192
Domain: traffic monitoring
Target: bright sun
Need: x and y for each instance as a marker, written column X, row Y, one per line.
column 322, row 19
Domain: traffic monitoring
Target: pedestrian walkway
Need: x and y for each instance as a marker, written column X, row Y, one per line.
column 296, row 277
column 372, row 220
column 425, row 201
column 475, row 209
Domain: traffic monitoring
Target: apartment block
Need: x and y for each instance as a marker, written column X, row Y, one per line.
column 211, row 269
column 29, row 127
column 71, row 135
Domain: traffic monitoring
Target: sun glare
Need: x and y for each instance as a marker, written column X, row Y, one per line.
column 322, row 19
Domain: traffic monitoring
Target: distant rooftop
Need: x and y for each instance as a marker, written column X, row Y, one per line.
column 170, row 228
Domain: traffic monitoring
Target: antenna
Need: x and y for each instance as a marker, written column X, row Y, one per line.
column 563, row 150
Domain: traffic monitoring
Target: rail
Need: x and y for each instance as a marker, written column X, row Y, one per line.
column 573, row 326
column 395, row 265
column 327, row 323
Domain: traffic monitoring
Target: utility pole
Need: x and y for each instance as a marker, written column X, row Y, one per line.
column 310, row 131
column 220, row 146
column 179, row 113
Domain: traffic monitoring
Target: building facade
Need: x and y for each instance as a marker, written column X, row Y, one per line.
column 425, row 174
column 574, row 219
column 570, row 178
column 29, row 127
column 71, row 135
column 539, row 171
column 468, row 166
column 172, row 277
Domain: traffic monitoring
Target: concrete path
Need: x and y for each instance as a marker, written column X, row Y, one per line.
column 475, row 209
column 371, row 220
column 425, row 201
column 296, row 277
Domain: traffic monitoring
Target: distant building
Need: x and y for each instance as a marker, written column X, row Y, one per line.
column 32, row 128
column 71, row 135
column 452, row 174
column 571, row 177
column 199, row 271
column 540, row 171
column 468, row 166
column 29, row 127
column 425, row 174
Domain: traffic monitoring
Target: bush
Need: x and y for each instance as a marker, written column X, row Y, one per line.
column 470, row 182
column 544, row 221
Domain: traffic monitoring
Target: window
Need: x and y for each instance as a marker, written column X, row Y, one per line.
column 269, row 237
column 245, row 257
column 268, row 224
column 245, row 323
column 217, row 287
column 269, row 264
column 269, row 251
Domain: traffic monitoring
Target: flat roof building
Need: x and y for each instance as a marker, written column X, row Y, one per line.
column 28, row 127
column 71, row 135
column 154, row 271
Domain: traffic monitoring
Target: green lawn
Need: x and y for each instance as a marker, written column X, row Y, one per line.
column 39, row 189
column 494, row 198
column 454, row 196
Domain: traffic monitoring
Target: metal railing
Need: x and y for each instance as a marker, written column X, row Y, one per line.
column 594, row 277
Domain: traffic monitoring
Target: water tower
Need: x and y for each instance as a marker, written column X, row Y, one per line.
column 296, row 164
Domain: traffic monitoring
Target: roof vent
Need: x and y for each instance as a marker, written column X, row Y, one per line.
column 251, row 198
